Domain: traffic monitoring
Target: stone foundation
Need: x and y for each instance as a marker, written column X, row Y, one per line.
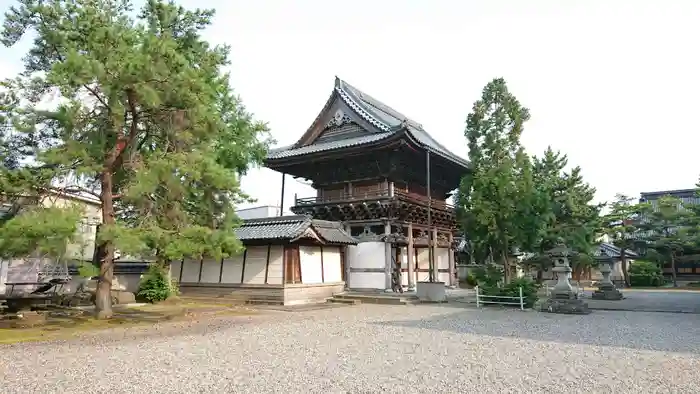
column 570, row 306
column 612, row 294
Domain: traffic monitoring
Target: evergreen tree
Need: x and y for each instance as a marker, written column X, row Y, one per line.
column 566, row 210
column 621, row 225
column 663, row 225
column 145, row 121
column 496, row 196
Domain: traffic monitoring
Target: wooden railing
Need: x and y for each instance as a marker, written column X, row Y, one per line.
column 344, row 197
column 373, row 195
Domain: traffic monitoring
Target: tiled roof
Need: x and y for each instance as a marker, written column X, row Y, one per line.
column 332, row 232
column 384, row 118
column 288, row 228
column 388, row 118
column 288, row 151
column 610, row 250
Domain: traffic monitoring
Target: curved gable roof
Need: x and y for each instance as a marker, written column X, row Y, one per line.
column 385, row 119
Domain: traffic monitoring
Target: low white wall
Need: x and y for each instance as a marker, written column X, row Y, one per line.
column 368, row 256
column 311, row 265
column 230, row 270
column 442, row 261
column 423, row 264
column 332, row 268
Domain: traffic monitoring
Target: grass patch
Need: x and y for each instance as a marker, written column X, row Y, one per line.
column 70, row 323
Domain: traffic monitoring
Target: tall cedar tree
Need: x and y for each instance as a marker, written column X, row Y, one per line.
column 566, row 209
column 495, row 198
column 621, row 225
column 663, row 229
column 145, row 121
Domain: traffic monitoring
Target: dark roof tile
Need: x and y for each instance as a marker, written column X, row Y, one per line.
column 288, row 228
column 384, row 118
column 289, row 151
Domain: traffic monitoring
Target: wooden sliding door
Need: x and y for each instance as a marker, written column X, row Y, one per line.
column 292, row 266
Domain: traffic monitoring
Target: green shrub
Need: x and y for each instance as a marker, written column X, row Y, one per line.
column 490, row 283
column 88, row 270
column 646, row 274
column 156, row 285
column 512, row 289
column 489, row 276
column 471, row 280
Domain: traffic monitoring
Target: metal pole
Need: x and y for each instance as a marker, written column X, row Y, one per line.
column 430, row 219
column 282, row 196
column 522, row 303
column 477, row 295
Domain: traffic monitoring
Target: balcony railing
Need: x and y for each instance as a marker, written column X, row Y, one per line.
column 373, row 195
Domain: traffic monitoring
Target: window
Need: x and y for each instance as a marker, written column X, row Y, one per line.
column 292, row 268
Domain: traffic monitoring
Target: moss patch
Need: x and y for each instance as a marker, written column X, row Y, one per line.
column 69, row 323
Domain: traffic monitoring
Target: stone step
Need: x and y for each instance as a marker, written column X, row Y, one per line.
column 379, row 299
column 344, row 301
column 232, row 300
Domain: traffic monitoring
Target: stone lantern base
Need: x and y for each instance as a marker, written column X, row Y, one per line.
column 607, row 291
column 565, row 303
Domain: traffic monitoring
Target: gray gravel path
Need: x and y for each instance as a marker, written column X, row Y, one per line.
column 376, row 348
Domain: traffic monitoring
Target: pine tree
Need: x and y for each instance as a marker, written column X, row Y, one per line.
column 663, row 226
column 146, row 121
column 621, row 225
column 566, row 209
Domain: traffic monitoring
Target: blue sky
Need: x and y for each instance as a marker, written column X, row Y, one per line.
column 613, row 84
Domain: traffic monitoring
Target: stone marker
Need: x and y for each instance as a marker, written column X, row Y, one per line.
column 563, row 299
column 606, row 289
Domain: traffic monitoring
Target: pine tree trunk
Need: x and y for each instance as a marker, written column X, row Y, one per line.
column 673, row 269
column 103, row 294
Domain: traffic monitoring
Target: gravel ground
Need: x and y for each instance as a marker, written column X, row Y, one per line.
column 372, row 349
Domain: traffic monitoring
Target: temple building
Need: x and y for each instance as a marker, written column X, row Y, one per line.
column 386, row 180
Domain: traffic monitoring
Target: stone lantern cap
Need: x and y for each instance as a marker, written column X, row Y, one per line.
column 560, row 250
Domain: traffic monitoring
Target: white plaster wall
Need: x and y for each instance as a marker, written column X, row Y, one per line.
column 4, row 265
column 190, row 271
column 331, row 265
column 403, row 258
column 423, row 264
column 255, row 265
column 310, row 260
column 442, row 260
column 232, row 269
column 210, row 271
column 275, row 270
column 367, row 280
column 366, row 255
column 175, row 270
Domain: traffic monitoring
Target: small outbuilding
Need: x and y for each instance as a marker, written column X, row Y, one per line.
column 287, row 260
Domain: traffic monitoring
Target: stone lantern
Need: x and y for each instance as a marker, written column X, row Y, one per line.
column 606, row 289
column 563, row 298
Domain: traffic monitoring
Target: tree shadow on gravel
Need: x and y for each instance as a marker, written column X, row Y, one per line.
column 639, row 331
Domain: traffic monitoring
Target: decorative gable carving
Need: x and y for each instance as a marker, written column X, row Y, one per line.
column 338, row 119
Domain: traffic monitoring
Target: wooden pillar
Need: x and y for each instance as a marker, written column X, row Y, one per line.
column 387, row 258
column 346, row 260
column 451, row 259
column 410, row 260
column 433, row 246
